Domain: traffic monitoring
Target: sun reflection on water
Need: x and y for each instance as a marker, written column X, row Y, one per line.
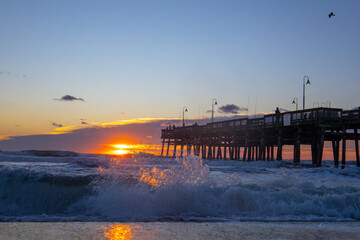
column 119, row 231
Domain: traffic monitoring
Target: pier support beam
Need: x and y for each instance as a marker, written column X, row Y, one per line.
column 297, row 147
column 357, row 147
column 279, row 146
column 256, row 152
column 249, row 153
column 213, row 152
column 168, row 147
column 209, row 155
column 188, row 149
column 336, row 147
column 219, row 155
column 174, row 153
column 262, row 146
column 162, row 146
column 313, row 151
column 203, row 151
column 320, row 147
column 245, row 148
column 343, row 155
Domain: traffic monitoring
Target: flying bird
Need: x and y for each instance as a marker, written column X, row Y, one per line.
column 331, row 15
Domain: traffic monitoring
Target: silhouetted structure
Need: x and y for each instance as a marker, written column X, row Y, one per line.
column 257, row 138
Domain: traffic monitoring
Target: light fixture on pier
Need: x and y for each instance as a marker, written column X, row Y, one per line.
column 295, row 101
column 214, row 102
column 184, row 110
column 307, row 83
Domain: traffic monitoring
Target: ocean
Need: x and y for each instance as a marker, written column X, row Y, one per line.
column 149, row 192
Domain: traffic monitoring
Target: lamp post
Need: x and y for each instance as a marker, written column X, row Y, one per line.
column 295, row 102
column 213, row 102
column 184, row 110
column 307, row 83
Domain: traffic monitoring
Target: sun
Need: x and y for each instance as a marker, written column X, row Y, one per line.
column 120, row 152
column 121, row 149
column 125, row 148
column 122, row 146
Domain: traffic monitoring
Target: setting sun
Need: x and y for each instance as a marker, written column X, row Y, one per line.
column 123, row 149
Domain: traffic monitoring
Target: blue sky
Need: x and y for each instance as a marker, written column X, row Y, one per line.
column 148, row 59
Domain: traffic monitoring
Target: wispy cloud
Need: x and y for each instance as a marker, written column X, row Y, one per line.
column 122, row 113
column 12, row 74
column 56, row 124
column 231, row 108
column 97, row 125
column 69, row 98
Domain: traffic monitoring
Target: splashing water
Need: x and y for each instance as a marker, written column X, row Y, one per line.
column 188, row 170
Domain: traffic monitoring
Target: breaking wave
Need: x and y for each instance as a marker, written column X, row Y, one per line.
column 100, row 188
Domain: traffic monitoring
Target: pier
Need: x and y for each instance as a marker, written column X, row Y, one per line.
column 263, row 138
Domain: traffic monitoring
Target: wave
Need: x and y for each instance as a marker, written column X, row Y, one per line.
column 98, row 188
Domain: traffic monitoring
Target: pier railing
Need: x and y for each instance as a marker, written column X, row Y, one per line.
column 313, row 116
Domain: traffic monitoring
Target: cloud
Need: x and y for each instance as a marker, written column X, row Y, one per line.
column 83, row 121
column 231, row 108
column 13, row 74
column 56, row 124
column 122, row 113
column 69, row 98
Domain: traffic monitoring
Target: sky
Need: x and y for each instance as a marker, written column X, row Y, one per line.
column 98, row 68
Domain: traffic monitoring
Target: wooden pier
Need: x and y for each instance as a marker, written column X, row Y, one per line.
column 251, row 139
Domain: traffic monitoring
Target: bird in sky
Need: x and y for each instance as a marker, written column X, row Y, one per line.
column 331, row 15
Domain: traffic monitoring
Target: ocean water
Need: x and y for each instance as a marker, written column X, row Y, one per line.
column 67, row 187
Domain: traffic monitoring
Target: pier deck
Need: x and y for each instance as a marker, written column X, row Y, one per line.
column 263, row 138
